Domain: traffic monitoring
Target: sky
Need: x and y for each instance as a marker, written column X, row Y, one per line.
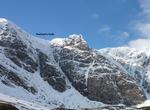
column 103, row 23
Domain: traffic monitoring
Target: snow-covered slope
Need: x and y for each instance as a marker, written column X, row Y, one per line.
column 63, row 72
column 21, row 104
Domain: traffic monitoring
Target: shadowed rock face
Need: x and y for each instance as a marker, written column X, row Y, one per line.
column 95, row 77
column 73, row 69
column 115, row 89
column 21, row 58
column 17, row 51
column 50, row 73
column 4, row 106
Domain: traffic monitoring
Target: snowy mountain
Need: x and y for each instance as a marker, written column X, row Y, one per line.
column 136, row 62
column 65, row 73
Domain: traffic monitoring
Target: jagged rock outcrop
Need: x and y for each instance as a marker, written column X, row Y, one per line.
column 4, row 106
column 94, row 76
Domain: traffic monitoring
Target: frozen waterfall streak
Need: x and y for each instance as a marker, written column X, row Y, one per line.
column 89, row 69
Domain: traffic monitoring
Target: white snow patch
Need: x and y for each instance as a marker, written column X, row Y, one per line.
column 144, row 104
column 57, row 42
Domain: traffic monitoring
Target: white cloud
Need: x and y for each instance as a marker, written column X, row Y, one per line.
column 124, row 35
column 104, row 30
column 95, row 16
column 121, row 37
column 142, row 26
column 140, row 43
column 145, row 5
column 114, row 36
column 144, row 29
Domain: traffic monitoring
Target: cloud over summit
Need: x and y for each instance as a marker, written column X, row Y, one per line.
column 142, row 26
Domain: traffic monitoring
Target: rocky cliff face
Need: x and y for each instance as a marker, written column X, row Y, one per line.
column 95, row 76
column 135, row 61
column 51, row 73
column 63, row 72
column 4, row 106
